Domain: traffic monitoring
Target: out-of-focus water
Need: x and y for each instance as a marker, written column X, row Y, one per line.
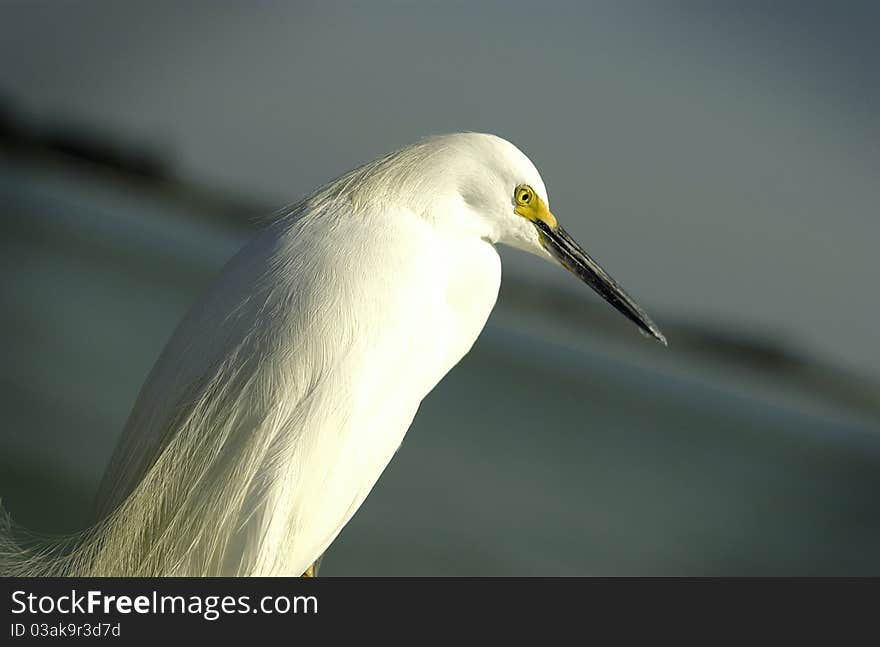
column 720, row 158
column 547, row 451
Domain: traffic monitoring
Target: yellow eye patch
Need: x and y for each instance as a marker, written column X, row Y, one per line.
column 530, row 206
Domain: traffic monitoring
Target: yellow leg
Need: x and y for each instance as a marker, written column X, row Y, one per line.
column 312, row 571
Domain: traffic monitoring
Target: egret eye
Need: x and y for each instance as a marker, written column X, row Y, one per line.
column 524, row 195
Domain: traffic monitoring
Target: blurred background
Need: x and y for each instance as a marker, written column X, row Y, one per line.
column 722, row 160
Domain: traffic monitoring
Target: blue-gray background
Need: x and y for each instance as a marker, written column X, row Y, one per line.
column 722, row 159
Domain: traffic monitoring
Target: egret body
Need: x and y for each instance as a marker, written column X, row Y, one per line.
column 284, row 393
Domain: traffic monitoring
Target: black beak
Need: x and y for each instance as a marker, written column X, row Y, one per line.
column 573, row 258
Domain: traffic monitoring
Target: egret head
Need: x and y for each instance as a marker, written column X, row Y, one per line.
column 504, row 192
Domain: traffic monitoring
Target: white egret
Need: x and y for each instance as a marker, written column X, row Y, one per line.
column 283, row 394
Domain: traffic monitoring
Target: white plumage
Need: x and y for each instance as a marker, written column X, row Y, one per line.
column 286, row 390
